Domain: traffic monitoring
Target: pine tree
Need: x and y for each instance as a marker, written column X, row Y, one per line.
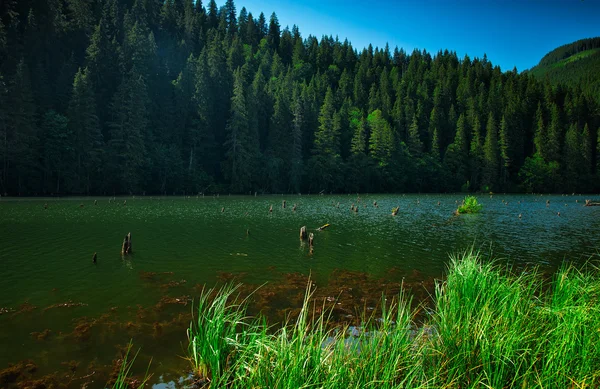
column 415, row 146
column 505, row 159
column 457, row 153
column 327, row 136
column 476, row 155
column 230, row 17
column 213, row 14
column 21, row 135
column 84, row 126
column 274, row 34
column 435, row 146
column 59, row 154
column 296, row 149
column 491, row 155
column 381, row 139
column 587, row 151
column 541, row 137
column 574, row 162
column 555, row 135
column 358, row 126
column 239, row 155
column 127, row 145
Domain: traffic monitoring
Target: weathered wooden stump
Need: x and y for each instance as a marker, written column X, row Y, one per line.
column 283, row 204
column 46, row 206
column 124, row 202
column 222, row 209
column 94, row 257
column 95, row 202
column 303, row 235
column 294, row 207
column 311, row 238
column 395, row 211
column 271, row 209
column 126, row 247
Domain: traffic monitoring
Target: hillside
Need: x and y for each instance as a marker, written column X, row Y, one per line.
column 172, row 97
column 576, row 64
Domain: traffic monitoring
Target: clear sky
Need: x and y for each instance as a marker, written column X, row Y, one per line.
column 511, row 32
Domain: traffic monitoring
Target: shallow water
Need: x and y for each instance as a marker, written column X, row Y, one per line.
column 89, row 311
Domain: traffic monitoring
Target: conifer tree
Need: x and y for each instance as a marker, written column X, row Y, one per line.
column 239, row 155
column 84, row 126
column 415, row 146
column 491, row 155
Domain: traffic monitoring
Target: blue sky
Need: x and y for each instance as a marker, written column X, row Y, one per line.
column 511, row 32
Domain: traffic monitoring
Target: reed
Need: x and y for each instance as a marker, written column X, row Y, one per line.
column 488, row 328
column 124, row 379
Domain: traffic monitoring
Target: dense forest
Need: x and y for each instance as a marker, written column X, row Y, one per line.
column 178, row 97
column 576, row 64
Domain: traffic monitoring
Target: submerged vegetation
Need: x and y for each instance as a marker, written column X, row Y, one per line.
column 486, row 328
column 469, row 205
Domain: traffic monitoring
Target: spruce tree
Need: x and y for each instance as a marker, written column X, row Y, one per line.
column 491, row 156
column 239, row 156
column 415, row 146
column 84, row 126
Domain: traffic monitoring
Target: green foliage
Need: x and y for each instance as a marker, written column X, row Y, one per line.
column 486, row 328
column 575, row 64
column 172, row 97
column 123, row 378
column 469, row 205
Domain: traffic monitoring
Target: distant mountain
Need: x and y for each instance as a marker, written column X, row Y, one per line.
column 576, row 64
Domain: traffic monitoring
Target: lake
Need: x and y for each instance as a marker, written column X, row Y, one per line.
column 71, row 318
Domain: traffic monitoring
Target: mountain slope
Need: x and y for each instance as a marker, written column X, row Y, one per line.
column 576, row 64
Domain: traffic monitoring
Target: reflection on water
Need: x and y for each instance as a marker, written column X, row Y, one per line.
column 68, row 316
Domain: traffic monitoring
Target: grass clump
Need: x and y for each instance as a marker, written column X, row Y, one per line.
column 487, row 328
column 469, row 205
column 124, row 379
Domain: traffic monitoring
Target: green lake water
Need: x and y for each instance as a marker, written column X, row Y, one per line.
column 58, row 306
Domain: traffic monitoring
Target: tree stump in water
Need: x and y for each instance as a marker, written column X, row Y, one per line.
column 303, row 235
column 271, row 209
column 94, row 257
column 95, row 202
column 294, row 208
column 311, row 238
column 395, row 211
column 283, row 204
column 126, row 247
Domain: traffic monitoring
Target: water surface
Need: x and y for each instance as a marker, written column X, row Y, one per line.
column 67, row 314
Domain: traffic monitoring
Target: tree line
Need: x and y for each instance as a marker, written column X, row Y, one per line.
column 172, row 97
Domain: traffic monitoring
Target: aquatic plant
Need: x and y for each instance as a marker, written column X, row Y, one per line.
column 469, row 205
column 218, row 332
column 124, row 379
column 487, row 327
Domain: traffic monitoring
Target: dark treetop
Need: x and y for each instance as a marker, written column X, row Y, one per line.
column 118, row 97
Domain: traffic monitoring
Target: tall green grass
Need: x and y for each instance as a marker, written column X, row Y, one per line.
column 124, row 379
column 488, row 328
